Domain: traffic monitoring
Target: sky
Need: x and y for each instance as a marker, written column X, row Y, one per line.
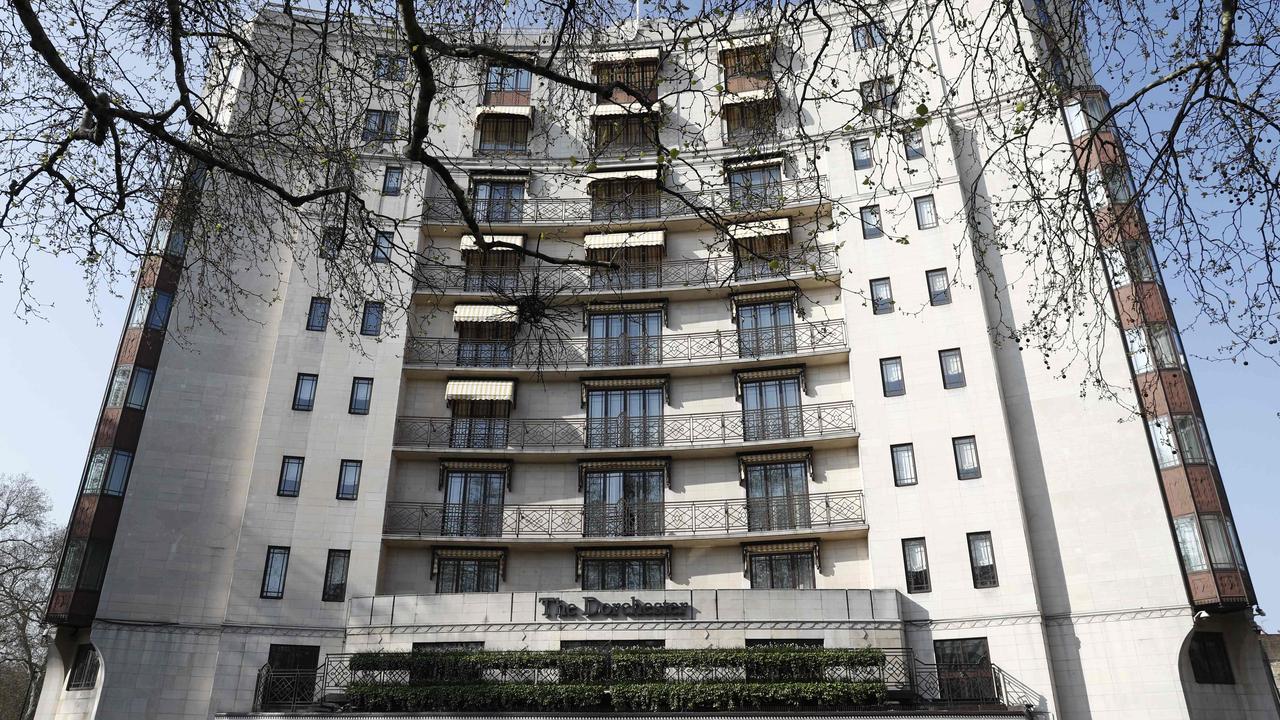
column 56, row 370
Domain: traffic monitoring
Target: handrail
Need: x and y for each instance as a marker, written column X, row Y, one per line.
column 720, row 428
column 816, row 260
column 604, row 352
column 655, row 519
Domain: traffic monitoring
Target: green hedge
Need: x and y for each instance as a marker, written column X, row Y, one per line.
column 640, row 697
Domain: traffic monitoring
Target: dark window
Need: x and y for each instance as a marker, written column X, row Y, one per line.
column 506, row 86
column 639, row 75
column 290, row 477
column 782, row 571
column 274, row 572
column 867, row 36
column 335, row 576
column 108, row 472
column 390, row 67
column 751, row 122
column 161, row 304
column 939, row 287
column 473, row 503
column 926, row 213
column 623, row 503
column 871, row 222
column 498, row 202
column 464, row 576
column 904, row 464
column 84, row 565
column 878, row 94
column 294, row 657
column 379, row 126
column 756, row 185
column 771, row 409
column 304, row 391
column 747, row 68
column 503, row 134
column 625, row 338
column 383, row 243
column 964, row 669
column 331, row 243
column 349, row 479
column 915, row 560
column 84, row 669
column 862, row 159
column 361, row 396
column 318, row 314
column 1210, row 663
column 371, row 321
column 982, row 560
column 485, row 344
column 620, row 134
column 762, row 256
column 625, row 199
column 480, row 423
column 624, row 418
column 913, row 144
column 881, row 296
column 391, row 179
column 118, row 475
column 630, row 574
column 952, row 368
column 891, row 377
column 777, row 496
column 766, row 329
column 139, row 388
column 966, row 452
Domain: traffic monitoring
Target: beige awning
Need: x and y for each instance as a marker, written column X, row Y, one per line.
column 469, row 241
column 780, row 547
column 764, row 93
column 643, row 173
column 500, row 390
column 746, row 41
column 644, row 238
column 775, row 373
column 516, row 110
column 632, row 108
column 753, row 162
column 634, row 553
column 485, row 313
column 614, row 56
column 439, row 553
column 760, row 228
column 662, row 464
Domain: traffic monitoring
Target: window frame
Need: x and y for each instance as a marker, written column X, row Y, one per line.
column 935, row 299
column 502, row 134
column 925, row 201
column 159, row 309
column 481, row 564
column 130, row 399
column 646, row 566
column 331, row 591
column 803, row 561
column 927, row 585
column 910, row 453
column 384, row 242
column 356, row 467
column 319, row 305
column 390, row 66
column 370, row 306
column 274, row 551
column 853, row 151
column 286, row 463
column 360, row 382
column 83, row 674
column 379, row 126
column 389, row 189
column 297, row 389
column 980, row 582
column 867, row 36
column 873, row 230
column 956, row 444
column 952, row 382
column 876, row 307
column 885, row 363
column 913, row 144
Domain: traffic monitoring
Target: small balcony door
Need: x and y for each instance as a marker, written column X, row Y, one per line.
column 622, row 503
column 480, row 424
column 624, row 418
column 771, row 409
column 473, row 503
column 485, row 344
column 755, row 187
column 777, row 496
column 498, row 202
column 626, row 338
column 766, row 329
column 633, row 267
column 491, row 270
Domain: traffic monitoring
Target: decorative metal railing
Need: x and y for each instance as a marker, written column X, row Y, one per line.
column 809, row 421
column 605, row 352
column 817, row 260
column 723, row 200
column 623, row 519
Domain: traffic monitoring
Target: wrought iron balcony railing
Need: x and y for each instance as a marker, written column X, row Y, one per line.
column 654, row 519
column 816, row 260
column 722, row 200
column 809, row 421
column 608, row 352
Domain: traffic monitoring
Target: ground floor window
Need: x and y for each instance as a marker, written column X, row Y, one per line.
column 462, row 576
column 782, row 571
column 1209, row 662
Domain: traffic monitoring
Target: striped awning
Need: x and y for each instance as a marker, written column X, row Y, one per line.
column 764, row 93
column 632, row 383
column 501, row 176
column 808, row 545
column 485, row 313
column 743, row 163
column 746, row 41
column 498, row 390
column 614, row 56
column 776, row 373
column 745, row 460
column 637, row 553
column 647, row 172
column 439, row 553
column 632, row 108
column 517, row 110
column 448, row 465
column 469, row 241
column 657, row 463
column 643, row 238
column 593, row 308
column 766, row 296
column 760, row 228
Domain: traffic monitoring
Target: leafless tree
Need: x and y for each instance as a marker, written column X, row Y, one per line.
column 28, row 556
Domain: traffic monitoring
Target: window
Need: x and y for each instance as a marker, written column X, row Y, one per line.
column 747, row 68
column 625, row 199
column 349, row 479
column 176, row 246
column 982, row 560
column 503, row 134
column 964, row 669
column 762, row 256
column 766, row 329
column 304, row 392
column 290, row 477
column 119, row 385
column 84, row 565
column 926, row 213
column 465, row 576
column 782, row 571
column 624, row 418
column 966, row 452
column 161, row 304
column 624, row 574
column 335, row 576
column 750, row 122
column 141, row 307
column 916, row 560
column 391, row 179
column 383, row 242
column 1167, row 346
column 1210, row 663
column 273, row 573
column 881, row 296
column 498, row 202
column 473, row 503
column 621, row 134
column 862, row 154
column 641, row 76
column 486, row 344
column 84, row 669
column 390, row 67
column 623, row 503
column 331, row 243
column 878, row 94
column 1118, row 183
column 506, row 86
column 867, row 36
column 1192, row 440
column 379, row 126
column 891, row 378
column 361, row 395
column 1189, row 545
column 1131, row 262
column 624, row 338
column 1221, row 554
column 913, row 144
column 755, row 185
column 939, row 287
column 371, row 321
column 771, row 409
column 871, row 222
column 777, row 496
column 480, row 424
column 952, row 368
column 318, row 314
column 904, row 464
column 1162, row 440
column 139, row 388
column 108, row 472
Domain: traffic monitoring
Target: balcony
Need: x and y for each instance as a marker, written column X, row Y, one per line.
column 703, row 518
column 721, row 346
column 572, row 435
column 817, row 261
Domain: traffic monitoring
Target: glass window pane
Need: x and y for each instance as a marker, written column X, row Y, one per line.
column 871, row 222
column 1162, row 438
column 97, row 471
column 1189, row 544
column 952, row 369
column 939, row 287
column 891, row 377
column 904, row 464
column 139, row 388
column 1215, row 539
column 861, row 154
column 926, row 213
column 118, row 476
column 119, row 386
column 966, row 452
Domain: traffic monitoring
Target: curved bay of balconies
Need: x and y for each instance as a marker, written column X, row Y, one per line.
column 815, row 343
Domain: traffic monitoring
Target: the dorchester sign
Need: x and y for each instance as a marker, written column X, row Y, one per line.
column 555, row 608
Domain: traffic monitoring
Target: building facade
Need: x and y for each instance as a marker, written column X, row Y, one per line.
column 786, row 429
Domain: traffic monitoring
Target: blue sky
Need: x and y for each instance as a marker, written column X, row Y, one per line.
column 57, row 369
